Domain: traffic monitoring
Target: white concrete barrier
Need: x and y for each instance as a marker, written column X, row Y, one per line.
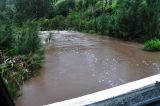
column 109, row 93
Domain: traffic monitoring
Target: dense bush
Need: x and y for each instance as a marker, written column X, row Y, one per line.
column 102, row 24
column 21, row 53
column 134, row 19
column 34, row 9
column 28, row 40
column 2, row 5
column 90, row 25
column 15, row 70
column 45, row 24
column 56, row 23
column 7, row 35
column 72, row 20
column 152, row 45
column 64, row 6
column 77, row 21
column 21, row 46
column 127, row 19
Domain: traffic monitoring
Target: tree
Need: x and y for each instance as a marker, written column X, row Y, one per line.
column 2, row 5
column 152, row 14
column 65, row 6
column 32, row 9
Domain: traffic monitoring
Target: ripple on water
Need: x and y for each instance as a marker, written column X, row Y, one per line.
column 76, row 65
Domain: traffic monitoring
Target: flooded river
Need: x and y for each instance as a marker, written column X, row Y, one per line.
column 77, row 64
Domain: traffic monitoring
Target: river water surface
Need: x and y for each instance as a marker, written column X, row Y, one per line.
column 77, row 64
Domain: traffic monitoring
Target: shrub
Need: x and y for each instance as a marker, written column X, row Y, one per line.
column 134, row 19
column 34, row 61
column 58, row 22
column 15, row 70
column 152, row 45
column 73, row 20
column 90, row 24
column 35, row 9
column 77, row 21
column 91, row 31
column 7, row 35
column 28, row 40
column 63, row 7
column 102, row 24
column 12, row 74
column 45, row 24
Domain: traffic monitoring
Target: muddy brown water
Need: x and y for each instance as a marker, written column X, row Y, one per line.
column 77, row 64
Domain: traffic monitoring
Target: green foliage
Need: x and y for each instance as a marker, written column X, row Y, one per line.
column 6, row 35
column 11, row 73
column 102, row 24
column 34, row 61
column 58, row 22
column 2, row 5
column 135, row 19
column 126, row 19
column 10, row 12
column 21, row 45
column 152, row 45
column 64, row 6
column 45, row 24
column 15, row 70
column 73, row 20
column 90, row 25
column 28, row 40
column 77, row 21
column 91, row 31
column 149, row 13
column 33, row 9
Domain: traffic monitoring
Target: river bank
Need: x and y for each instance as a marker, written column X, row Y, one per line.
column 15, row 70
column 77, row 64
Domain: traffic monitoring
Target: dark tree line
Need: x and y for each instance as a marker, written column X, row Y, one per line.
column 33, row 9
column 2, row 5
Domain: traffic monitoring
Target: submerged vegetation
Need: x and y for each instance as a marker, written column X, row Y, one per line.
column 21, row 50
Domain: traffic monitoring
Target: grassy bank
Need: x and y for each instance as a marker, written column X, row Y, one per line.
column 152, row 45
column 15, row 70
column 21, row 54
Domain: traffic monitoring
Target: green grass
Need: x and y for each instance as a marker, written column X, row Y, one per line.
column 152, row 45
